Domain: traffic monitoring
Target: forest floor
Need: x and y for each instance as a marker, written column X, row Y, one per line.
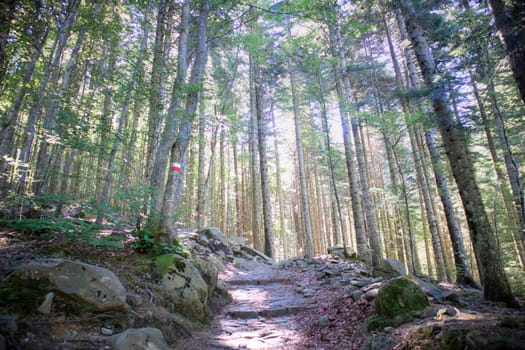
column 302, row 304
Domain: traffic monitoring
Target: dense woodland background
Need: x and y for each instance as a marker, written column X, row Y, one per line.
column 393, row 128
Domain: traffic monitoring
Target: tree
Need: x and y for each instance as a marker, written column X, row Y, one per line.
column 510, row 21
column 493, row 277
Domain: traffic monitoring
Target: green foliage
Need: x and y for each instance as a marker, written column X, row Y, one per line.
column 145, row 240
column 47, row 227
column 148, row 242
column 20, row 299
column 163, row 262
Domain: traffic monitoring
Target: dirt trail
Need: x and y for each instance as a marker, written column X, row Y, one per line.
column 261, row 315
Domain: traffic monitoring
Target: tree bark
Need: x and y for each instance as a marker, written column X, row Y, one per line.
column 343, row 93
column 305, row 202
column 269, row 249
column 173, row 192
column 509, row 16
column 493, row 277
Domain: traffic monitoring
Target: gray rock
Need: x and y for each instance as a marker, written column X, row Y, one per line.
column 307, row 293
column 106, row 331
column 430, row 288
column 449, row 295
column 139, row 339
column 45, row 307
column 446, row 311
column 350, row 289
column 134, row 299
column 356, row 295
column 97, row 287
column 209, row 270
column 379, row 342
column 389, row 268
column 324, row 321
column 215, row 233
column 245, row 264
column 185, row 287
column 360, row 282
column 371, row 294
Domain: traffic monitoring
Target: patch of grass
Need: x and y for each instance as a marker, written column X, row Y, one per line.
column 46, row 227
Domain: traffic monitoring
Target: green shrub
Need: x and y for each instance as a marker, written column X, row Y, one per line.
column 148, row 242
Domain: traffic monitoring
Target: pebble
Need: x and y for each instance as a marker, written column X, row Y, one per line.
column 324, row 321
column 106, row 331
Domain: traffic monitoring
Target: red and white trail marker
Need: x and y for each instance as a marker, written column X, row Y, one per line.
column 175, row 167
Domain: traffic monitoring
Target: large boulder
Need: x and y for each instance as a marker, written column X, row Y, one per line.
column 400, row 296
column 139, row 339
column 389, row 268
column 183, row 285
column 96, row 287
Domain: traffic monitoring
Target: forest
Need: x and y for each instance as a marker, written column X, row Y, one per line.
column 390, row 128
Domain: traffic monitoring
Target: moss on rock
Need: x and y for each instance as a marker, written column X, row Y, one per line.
column 400, row 296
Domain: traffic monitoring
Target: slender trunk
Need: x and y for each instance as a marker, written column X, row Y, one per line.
column 512, row 212
column 157, row 83
column 511, row 164
column 305, row 201
column 337, row 213
column 201, row 182
column 269, row 249
column 343, row 91
column 282, row 224
column 256, row 200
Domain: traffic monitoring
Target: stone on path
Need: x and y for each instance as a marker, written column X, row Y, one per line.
column 260, row 315
column 139, row 339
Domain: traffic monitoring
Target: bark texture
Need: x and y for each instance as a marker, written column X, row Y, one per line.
column 495, row 282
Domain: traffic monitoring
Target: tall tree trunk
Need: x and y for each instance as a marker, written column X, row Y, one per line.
column 509, row 16
column 157, row 83
column 493, row 277
column 282, row 224
column 338, row 215
column 305, row 201
column 201, row 179
column 254, row 140
column 175, row 112
column 343, row 93
column 512, row 211
column 269, row 249
column 463, row 271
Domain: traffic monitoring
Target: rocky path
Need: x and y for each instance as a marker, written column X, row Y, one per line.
column 261, row 315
